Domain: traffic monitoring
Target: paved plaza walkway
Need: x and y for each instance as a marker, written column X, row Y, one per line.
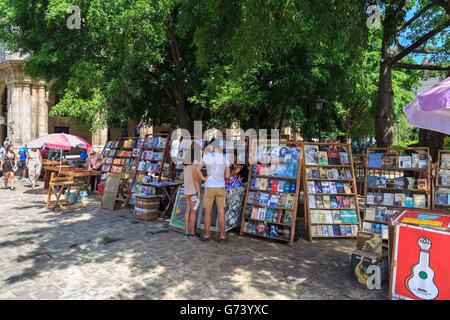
column 101, row 254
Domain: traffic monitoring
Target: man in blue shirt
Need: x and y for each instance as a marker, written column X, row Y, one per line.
column 23, row 152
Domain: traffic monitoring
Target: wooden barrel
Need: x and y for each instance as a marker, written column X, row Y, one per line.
column 146, row 207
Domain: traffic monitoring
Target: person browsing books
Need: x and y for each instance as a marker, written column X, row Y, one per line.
column 191, row 158
column 217, row 167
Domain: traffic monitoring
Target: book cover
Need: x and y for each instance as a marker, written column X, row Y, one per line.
column 333, row 157
column 442, row 197
column 342, row 230
column 422, row 184
column 261, row 213
column 316, row 173
column 370, row 214
column 340, row 187
column 337, row 230
column 290, row 200
column 381, row 182
column 347, row 188
column 419, row 200
column 335, row 173
column 311, row 156
column 409, row 201
column 370, row 242
column 328, row 216
column 329, row 173
column 281, row 170
column 258, row 183
column 288, row 217
column 266, row 170
column 282, row 200
column 399, row 200
column 319, row 202
column 323, row 173
column 314, row 216
column 400, row 182
column 388, row 199
column 378, row 198
column 389, row 160
column 311, row 187
column 291, row 169
column 404, row 161
column 372, row 181
column 343, row 156
column 309, row 173
column 251, row 197
column 274, row 200
column 263, row 184
column 273, row 170
column 322, row 217
column 276, row 216
column 380, row 213
column 255, row 213
column 269, row 184
column 322, row 158
column 287, row 186
column 326, row 187
column 415, row 160
column 333, row 202
column 340, row 202
column 252, row 183
column 325, row 230
column 269, row 215
column 330, row 230
column 411, row 182
column 318, row 230
column 336, row 216
column 333, row 188
column 275, row 185
column 348, row 230
column 312, row 201
column 292, row 187
column 374, row 160
column 445, row 160
column 318, row 186
column 326, row 202
column 281, row 185
column 348, row 173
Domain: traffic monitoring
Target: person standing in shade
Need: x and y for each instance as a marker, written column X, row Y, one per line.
column 44, row 153
column 23, row 155
column 6, row 143
column 8, row 166
column 2, row 152
column 34, row 165
column 95, row 161
column 240, row 170
column 217, row 167
column 191, row 189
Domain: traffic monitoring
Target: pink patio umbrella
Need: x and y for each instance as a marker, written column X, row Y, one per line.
column 60, row 141
column 431, row 108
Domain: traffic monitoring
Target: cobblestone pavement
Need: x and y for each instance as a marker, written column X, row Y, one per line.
column 101, row 254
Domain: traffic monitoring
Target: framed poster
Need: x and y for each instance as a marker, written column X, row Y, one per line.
column 420, row 264
column 430, row 219
column 179, row 209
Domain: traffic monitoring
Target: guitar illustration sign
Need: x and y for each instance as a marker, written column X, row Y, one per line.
column 421, row 264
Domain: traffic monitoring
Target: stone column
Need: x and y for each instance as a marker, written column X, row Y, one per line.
column 16, row 107
column 34, row 112
column 26, row 113
column 42, row 111
column 99, row 138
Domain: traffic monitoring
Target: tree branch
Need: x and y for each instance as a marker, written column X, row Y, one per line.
column 421, row 41
column 432, row 67
column 414, row 18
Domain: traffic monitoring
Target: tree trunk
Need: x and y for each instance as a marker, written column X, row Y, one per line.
column 432, row 139
column 124, row 129
column 384, row 121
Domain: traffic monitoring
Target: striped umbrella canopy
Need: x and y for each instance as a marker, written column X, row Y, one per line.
column 431, row 108
column 60, row 141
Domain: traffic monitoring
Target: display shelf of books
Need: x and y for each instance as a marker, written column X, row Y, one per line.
column 330, row 193
column 271, row 200
column 396, row 178
column 108, row 153
column 154, row 164
column 442, row 182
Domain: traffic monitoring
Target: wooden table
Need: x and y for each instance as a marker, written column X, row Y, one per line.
column 48, row 167
column 66, row 179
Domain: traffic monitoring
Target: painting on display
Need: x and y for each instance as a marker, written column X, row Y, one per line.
column 178, row 211
column 421, row 263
